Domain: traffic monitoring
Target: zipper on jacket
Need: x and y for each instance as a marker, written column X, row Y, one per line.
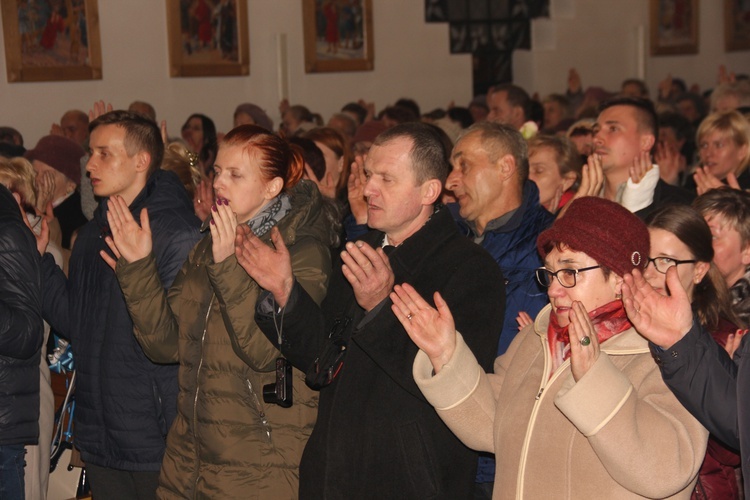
column 544, row 383
column 195, row 399
column 261, row 414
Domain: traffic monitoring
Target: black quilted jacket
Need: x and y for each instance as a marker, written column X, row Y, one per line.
column 124, row 402
column 21, row 329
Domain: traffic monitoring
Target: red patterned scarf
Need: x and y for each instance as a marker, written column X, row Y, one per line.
column 608, row 320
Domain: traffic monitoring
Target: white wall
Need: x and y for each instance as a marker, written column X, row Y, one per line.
column 601, row 38
column 412, row 59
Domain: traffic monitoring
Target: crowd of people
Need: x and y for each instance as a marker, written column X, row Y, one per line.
column 524, row 297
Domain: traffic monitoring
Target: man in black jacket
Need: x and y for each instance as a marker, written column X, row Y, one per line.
column 21, row 336
column 125, row 404
column 376, row 436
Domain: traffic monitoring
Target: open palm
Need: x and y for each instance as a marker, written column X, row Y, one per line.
column 132, row 240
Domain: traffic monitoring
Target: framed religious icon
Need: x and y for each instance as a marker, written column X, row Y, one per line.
column 208, row 38
column 736, row 25
column 674, row 27
column 338, row 35
column 48, row 40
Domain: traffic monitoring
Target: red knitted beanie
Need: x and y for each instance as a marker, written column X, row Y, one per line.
column 603, row 230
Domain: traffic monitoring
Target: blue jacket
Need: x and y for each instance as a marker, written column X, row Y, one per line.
column 125, row 404
column 513, row 246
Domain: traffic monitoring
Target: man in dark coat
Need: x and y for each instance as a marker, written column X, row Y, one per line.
column 21, row 337
column 125, row 404
column 376, row 436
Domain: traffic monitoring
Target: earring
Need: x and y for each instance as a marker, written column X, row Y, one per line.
column 618, row 296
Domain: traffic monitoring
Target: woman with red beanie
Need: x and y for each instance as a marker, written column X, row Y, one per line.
column 576, row 408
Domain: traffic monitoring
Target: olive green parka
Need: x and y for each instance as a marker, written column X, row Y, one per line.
column 226, row 442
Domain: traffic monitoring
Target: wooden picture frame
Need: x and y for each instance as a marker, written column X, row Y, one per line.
column 674, row 27
column 347, row 46
column 51, row 40
column 736, row 26
column 207, row 40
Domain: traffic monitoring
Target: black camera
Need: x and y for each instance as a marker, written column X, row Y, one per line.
column 280, row 392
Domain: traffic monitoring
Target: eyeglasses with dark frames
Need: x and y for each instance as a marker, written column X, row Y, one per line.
column 566, row 277
column 661, row 264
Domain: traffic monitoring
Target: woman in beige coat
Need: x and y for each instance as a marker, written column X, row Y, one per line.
column 576, row 407
column 230, row 439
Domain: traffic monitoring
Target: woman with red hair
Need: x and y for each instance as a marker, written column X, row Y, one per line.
column 232, row 434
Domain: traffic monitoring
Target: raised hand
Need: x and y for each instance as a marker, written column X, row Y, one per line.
column 45, row 187
column 574, row 81
column 100, row 108
column 732, row 181
column 369, row 272
column 370, row 107
column 203, row 198
column 592, row 180
column 662, row 319
column 641, row 165
column 733, row 341
column 665, row 88
column 583, row 353
column 222, row 226
column 270, row 267
column 592, row 177
column 42, row 239
column 356, row 190
column 726, row 76
column 670, row 162
column 56, row 129
column 326, row 185
column 523, row 319
column 433, row 330
column 163, row 129
column 129, row 239
column 706, row 181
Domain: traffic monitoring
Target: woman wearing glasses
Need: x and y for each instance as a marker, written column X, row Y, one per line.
column 681, row 237
column 576, row 407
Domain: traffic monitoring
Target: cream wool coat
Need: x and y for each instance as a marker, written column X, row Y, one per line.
column 617, row 433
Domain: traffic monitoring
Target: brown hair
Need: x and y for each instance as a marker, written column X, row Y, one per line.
column 141, row 134
column 711, row 299
column 566, row 156
column 336, row 142
column 278, row 158
column 732, row 204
